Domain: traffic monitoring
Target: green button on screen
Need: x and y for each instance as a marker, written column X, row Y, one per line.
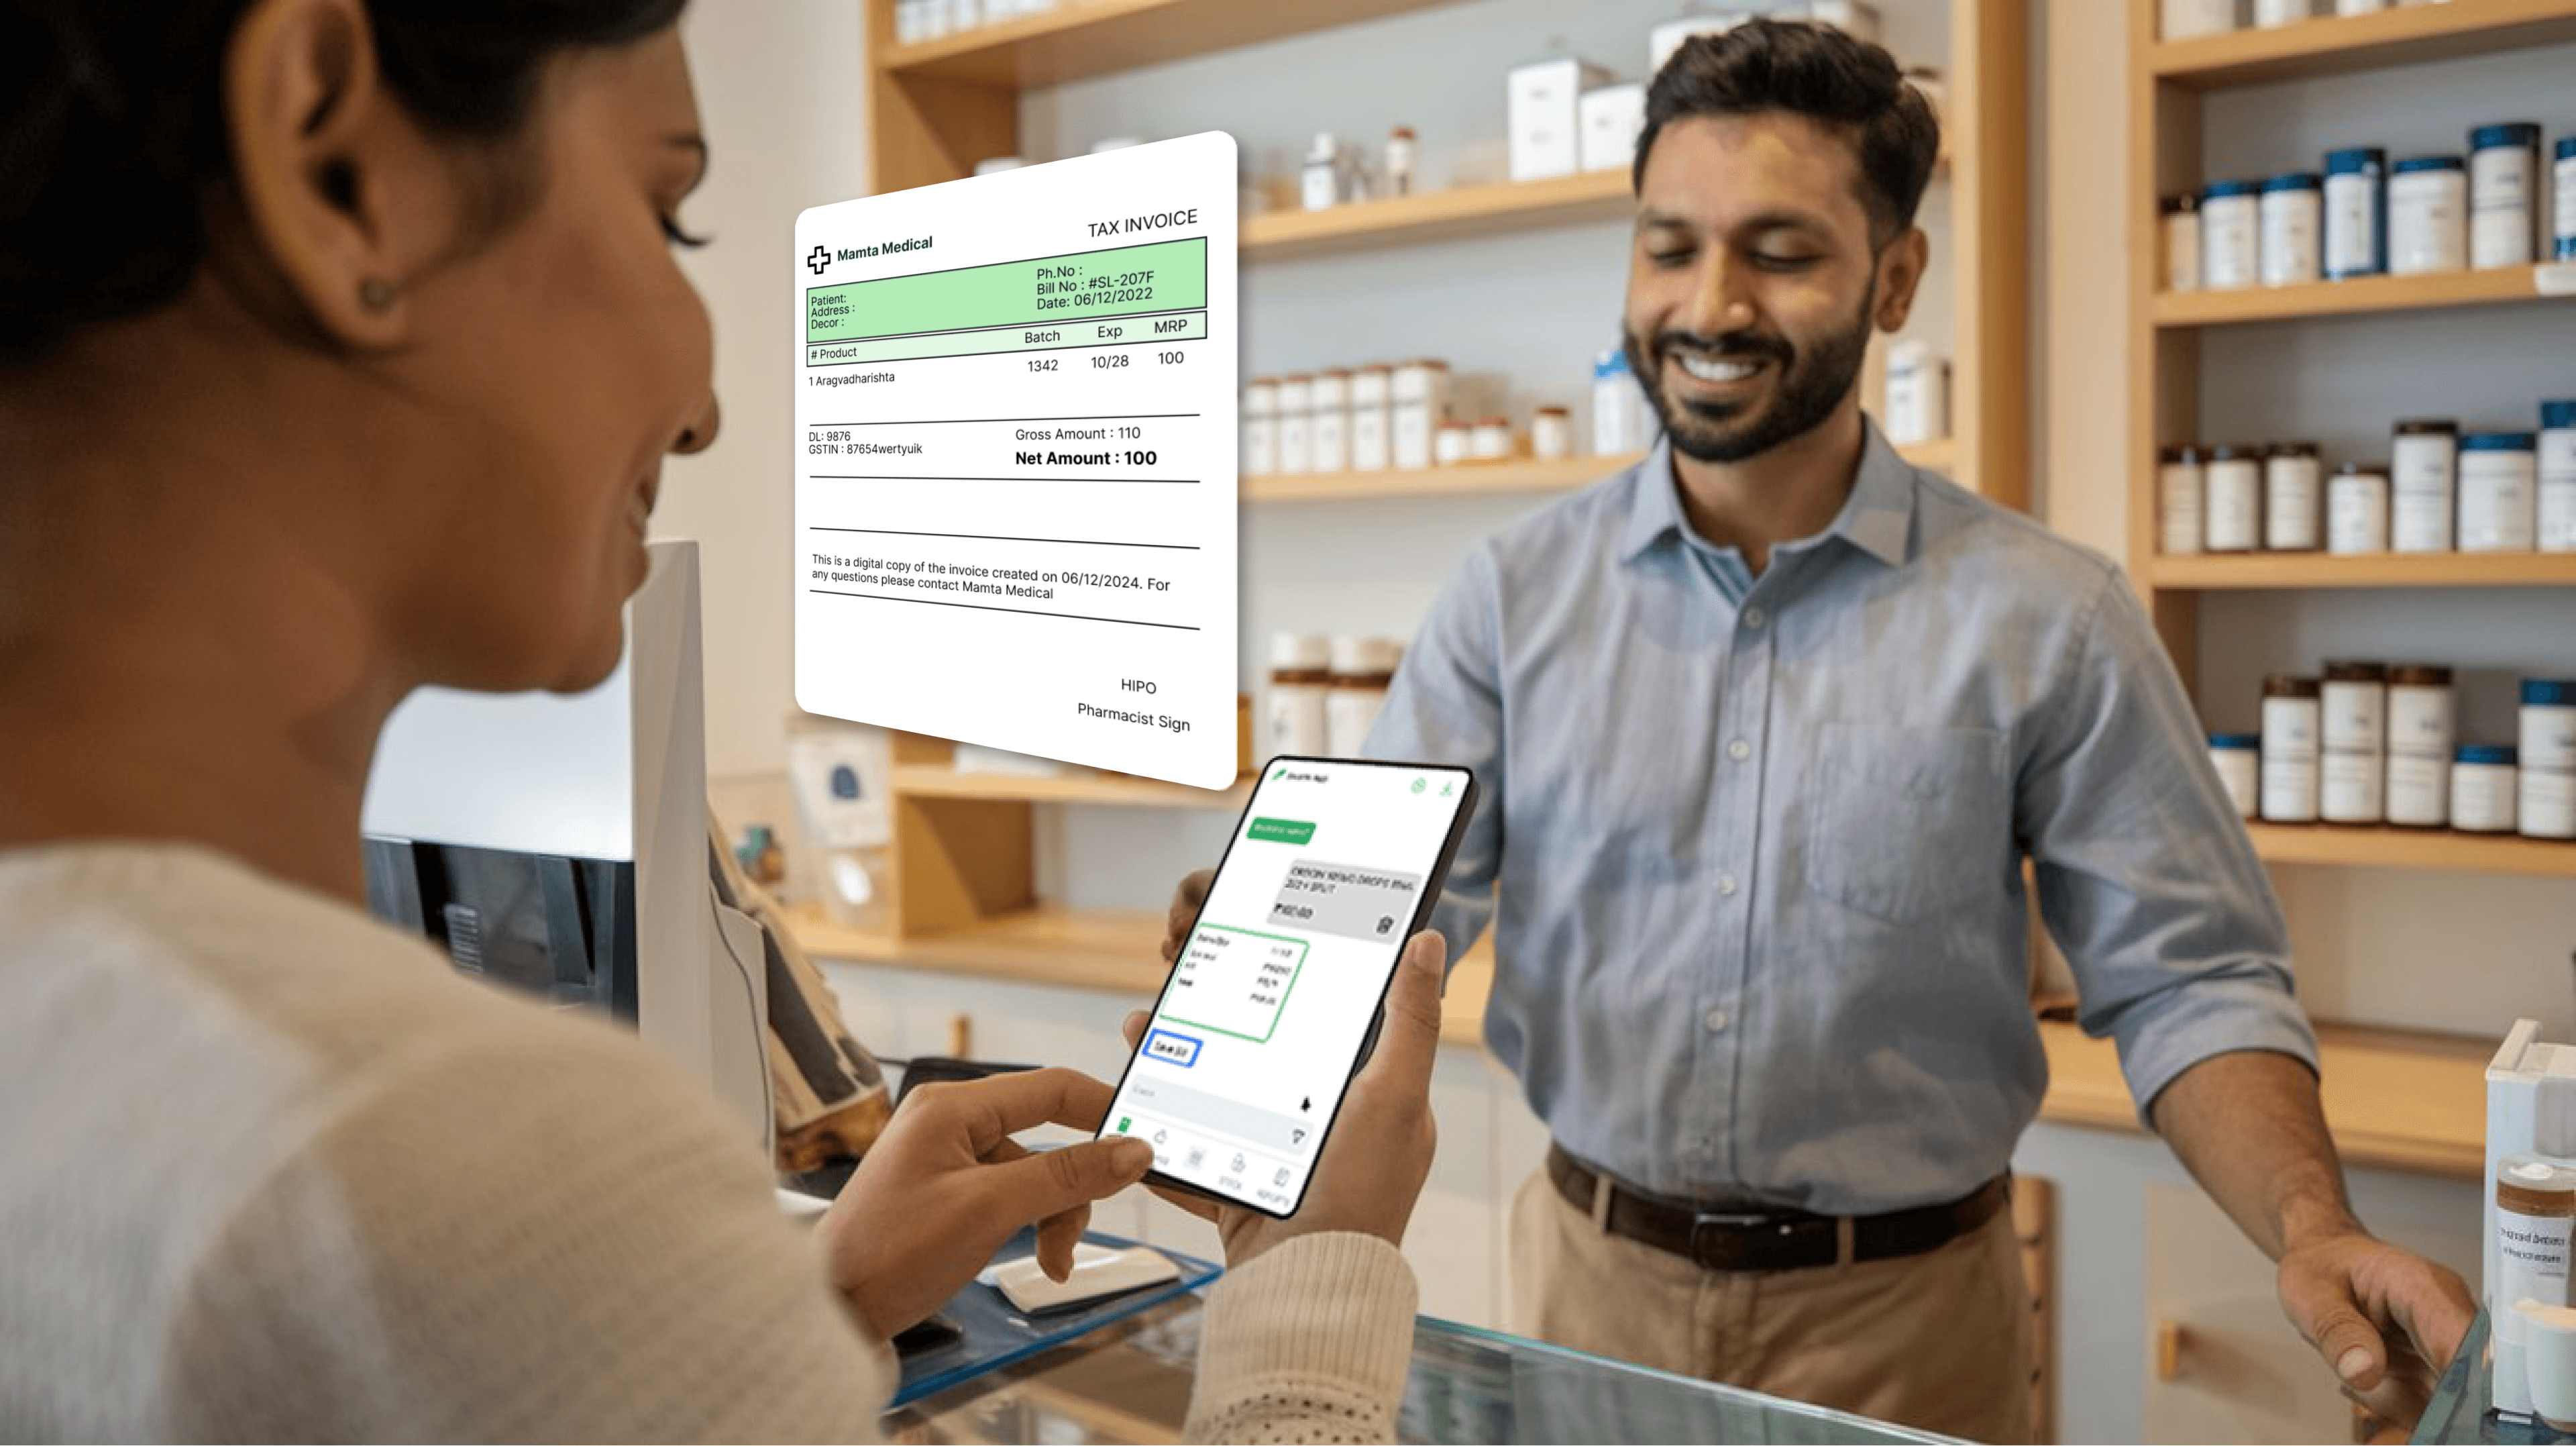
column 1282, row 830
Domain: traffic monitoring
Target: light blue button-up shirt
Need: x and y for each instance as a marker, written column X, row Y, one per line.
column 1753, row 848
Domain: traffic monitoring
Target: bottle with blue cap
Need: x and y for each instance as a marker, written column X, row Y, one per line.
column 2428, row 215
column 2230, row 246
column 2291, row 208
column 2499, row 472
column 2563, row 188
column 2356, row 213
column 2557, row 506
column 2483, row 788
column 2547, row 797
column 2504, row 161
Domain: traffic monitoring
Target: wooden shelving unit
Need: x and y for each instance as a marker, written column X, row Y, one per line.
column 1437, row 216
column 2356, row 846
column 2394, row 1099
column 2361, row 296
column 930, row 780
column 2255, row 571
column 2385, row 1082
column 2339, row 45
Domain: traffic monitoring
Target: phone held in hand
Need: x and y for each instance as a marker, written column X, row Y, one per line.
column 1276, row 996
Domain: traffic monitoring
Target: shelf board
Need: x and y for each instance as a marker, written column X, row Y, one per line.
column 1083, row 38
column 2339, row 45
column 1438, row 215
column 2256, row 571
column 1464, row 479
column 1116, row 951
column 1445, row 215
column 2365, row 846
column 1476, row 479
column 934, row 780
column 2393, row 1099
column 2360, row 296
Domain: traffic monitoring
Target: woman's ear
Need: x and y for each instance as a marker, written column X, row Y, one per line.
column 342, row 197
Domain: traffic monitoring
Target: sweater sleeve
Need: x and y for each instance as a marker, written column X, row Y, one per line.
column 1310, row 1341
column 548, row 1236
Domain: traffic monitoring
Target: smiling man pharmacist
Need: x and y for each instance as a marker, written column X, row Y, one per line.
column 1768, row 725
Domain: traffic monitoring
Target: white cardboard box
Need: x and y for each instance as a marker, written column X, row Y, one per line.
column 2513, row 1096
column 1544, row 99
column 1610, row 118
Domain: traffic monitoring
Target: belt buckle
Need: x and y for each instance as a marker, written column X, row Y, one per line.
column 1718, row 1251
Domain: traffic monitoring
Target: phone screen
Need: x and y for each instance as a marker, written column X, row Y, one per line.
column 1334, row 864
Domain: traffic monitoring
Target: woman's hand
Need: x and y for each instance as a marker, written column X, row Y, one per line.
column 1379, row 1153
column 945, row 1185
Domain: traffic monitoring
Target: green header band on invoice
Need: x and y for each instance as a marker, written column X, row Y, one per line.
column 1154, row 276
column 1282, row 830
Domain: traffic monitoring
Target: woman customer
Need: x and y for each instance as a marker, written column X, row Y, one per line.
column 340, row 345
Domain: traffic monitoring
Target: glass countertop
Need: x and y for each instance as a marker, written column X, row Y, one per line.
column 1130, row 1382
column 2459, row 1408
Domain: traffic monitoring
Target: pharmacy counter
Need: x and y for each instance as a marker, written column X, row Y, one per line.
column 1131, row 1382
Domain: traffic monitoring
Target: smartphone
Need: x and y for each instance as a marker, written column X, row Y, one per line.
column 1277, row 993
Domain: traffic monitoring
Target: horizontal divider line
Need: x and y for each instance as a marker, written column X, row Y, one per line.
column 948, row 421
column 917, row 477
column 987, row 607
column 999, row 537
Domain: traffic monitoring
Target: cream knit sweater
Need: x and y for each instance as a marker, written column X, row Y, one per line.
column 271, row 1171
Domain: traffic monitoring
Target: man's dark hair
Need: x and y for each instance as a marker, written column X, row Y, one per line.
column 112, row 133
column 1843, row 84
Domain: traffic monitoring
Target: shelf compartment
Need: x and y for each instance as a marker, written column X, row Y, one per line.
column 1476, row 479
column 1079, row 39
column 2259, row 571
column 1461, row 211
column 1438, row 215
column 2363, row 846
column 2342, row 45
column 931, row 780
column 2394, row 1099
column 2361, row 296
column 1463, row 479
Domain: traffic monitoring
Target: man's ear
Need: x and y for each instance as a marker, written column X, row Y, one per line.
column 1900, row 271
column 341, row 196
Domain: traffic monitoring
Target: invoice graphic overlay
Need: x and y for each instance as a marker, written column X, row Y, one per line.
column 1015, row 447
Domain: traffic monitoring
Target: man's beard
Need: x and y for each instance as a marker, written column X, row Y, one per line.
column 1809, row 387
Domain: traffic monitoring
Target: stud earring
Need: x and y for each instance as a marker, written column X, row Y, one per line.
column 375, row 294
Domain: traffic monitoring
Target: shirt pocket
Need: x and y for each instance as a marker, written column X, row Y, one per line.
column 1906, row 823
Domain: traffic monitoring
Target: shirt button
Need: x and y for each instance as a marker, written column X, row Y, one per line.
column 1739, row 750
column 1755, row 617
column 1726, row 884
column 1716, row 1021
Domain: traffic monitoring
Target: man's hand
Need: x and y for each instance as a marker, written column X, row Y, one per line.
column 1379, row 1153
column 1185, row 909
column 945, row 1185
column 2387, row 1320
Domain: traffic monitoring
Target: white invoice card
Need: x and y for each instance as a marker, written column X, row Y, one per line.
column 1015, row 460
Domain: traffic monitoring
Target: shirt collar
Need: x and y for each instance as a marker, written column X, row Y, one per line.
column 1877, row 518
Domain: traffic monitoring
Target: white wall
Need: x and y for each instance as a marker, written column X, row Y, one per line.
column 778, row 88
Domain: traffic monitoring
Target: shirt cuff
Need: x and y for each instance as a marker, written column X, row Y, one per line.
column 2210, row 1018
column 1332, row 1311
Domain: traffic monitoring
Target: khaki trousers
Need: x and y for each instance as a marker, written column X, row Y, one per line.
column 1939, row 1341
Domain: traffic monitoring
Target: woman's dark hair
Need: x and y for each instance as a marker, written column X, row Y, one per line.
column 112, row 133
column 1843, row 84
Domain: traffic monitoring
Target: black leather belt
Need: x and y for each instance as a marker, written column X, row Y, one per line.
column 1767, row 1239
